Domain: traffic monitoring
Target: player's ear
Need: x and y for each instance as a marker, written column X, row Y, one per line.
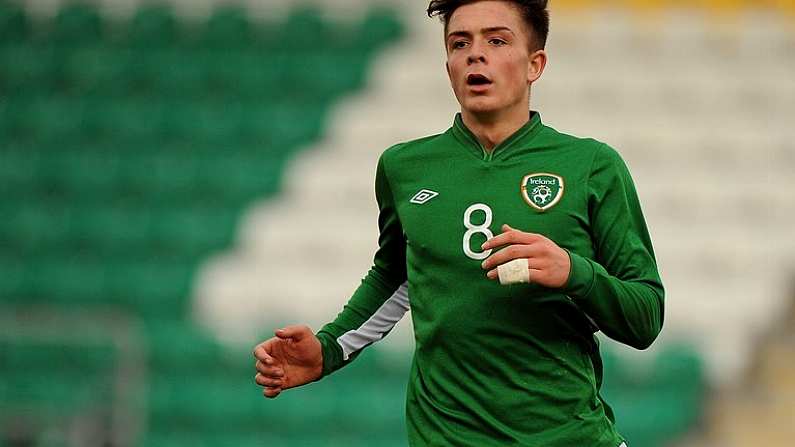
column 535, row 66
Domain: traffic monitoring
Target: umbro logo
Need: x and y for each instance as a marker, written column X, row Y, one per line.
column 423, row 196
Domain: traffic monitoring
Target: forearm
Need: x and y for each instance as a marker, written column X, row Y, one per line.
column 371, row 313
column 628, row 311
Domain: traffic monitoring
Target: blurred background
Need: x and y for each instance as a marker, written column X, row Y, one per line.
column 166, row 167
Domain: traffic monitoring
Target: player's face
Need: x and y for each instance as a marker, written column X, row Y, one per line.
column 488, row 57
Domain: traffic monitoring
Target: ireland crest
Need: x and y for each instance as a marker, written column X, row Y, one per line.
column 542, row 191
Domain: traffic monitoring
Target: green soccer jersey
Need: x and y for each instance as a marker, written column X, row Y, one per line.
column 502, row 365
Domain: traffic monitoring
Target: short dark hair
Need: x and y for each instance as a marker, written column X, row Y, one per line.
column 534, row 13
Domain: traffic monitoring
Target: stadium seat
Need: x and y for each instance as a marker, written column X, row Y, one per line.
column 12, row 279
column 194, row 230
column 177, row 346
column 33, row 225
column 99, row 71
column 26, row 68
column 113, row 231
column 77, row 23
column 67, row 282
column 179, row 76
column 18, row 168
column 14, row 23
column 149, row 288
column 228, row 27
column 381, row 26
column 152, row 26
column 257, row 75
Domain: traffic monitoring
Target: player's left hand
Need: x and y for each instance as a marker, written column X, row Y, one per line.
column 549, row 264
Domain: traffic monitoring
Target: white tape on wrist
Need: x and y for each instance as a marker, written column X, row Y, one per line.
column 514, row 272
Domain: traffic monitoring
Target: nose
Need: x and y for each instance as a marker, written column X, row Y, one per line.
column 476, row 53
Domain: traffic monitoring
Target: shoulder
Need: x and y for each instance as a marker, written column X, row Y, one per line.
column 599, row 152
column 407, row 149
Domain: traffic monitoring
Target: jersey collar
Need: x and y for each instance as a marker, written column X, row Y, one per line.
column 468, row 139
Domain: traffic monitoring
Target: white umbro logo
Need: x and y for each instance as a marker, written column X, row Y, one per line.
column 423, row 196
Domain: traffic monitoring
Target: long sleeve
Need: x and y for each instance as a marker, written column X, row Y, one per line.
column 620, row 290
column 381, row 299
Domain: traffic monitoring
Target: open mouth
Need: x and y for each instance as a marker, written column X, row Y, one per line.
column 477, row 79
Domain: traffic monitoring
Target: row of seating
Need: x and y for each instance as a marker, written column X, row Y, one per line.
column 26, row 359
column 38, row 396
column 135, row 124
column 146, row 181
column 229, row 26
column 150, row 289
column 181, row 235
column 305, row 438
column 164, row 73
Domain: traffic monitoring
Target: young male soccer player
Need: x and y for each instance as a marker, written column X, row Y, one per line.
column 513, row 243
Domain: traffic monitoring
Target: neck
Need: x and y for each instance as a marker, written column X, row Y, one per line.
column 493, row 128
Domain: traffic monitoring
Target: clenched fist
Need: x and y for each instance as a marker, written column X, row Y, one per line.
column 292, row 358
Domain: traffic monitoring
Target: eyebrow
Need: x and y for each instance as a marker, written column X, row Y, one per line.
column 482, row 31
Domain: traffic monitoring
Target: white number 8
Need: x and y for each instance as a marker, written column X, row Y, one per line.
column 477, row 229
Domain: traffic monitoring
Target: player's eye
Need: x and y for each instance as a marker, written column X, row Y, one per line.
column 458, row 44
column 497, row 42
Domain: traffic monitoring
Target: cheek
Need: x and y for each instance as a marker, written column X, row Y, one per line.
column 456, row 68
column 516, row 71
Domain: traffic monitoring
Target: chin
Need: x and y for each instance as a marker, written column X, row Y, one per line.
column 480, row 105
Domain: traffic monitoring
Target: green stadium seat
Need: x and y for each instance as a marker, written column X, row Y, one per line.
column 237, row 178
column 131, row 120
column 14, row 24
column 241, row 74
column 228, row 27
column 55, row 394
column 83, row 381
column 176, row 347
column 216, row 122
column 56, row 119
column 145, row 69
column 178, row 120
column 150, row 288
column 12, row 274
column 27, row 68
column 22, row 354
column 381, row 26
column 18, row 169
column 98, row 71
column 311, row 72
column 194, row 230
column 73, row 173
column 77, row 23
column 303, row 30
column 117, row 231
column 68, row 282
column 153, row 26
column 35, row 225
column 163, row 175
column 179, row 76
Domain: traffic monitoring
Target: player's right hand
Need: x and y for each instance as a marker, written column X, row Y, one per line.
column 292, row 358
